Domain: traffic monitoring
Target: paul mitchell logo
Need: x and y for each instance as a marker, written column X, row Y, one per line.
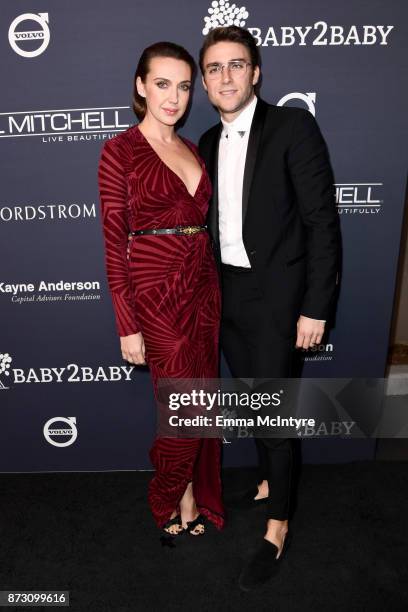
column 358, row 198
column 69, row 124
column 18, row 37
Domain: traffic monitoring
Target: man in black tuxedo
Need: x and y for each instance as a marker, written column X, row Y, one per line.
column 275, row 233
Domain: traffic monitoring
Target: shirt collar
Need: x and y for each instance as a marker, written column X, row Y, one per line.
column 244, row 119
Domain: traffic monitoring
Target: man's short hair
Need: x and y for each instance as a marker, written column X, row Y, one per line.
column 231, row 34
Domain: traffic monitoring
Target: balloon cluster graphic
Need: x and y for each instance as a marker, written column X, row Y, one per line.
column 222, row 13
column 5, row 361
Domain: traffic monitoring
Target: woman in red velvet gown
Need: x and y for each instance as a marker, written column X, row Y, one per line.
column 165, row 288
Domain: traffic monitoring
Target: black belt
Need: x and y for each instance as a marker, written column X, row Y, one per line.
column 180, row 230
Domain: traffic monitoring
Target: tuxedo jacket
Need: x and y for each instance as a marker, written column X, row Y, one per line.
column 290, row 223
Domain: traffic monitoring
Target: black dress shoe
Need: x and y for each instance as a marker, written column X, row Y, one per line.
column 247, row 500
column 263, row 565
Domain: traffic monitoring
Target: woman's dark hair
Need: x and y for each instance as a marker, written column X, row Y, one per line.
column 231, row 34
column 159, row 49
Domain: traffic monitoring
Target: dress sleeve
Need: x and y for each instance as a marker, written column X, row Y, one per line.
column 113, row 196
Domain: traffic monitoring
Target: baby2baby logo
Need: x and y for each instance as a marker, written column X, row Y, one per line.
column 319, row 33
column 71, row 373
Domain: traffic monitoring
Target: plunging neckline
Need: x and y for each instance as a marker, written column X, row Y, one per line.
column 171, row 170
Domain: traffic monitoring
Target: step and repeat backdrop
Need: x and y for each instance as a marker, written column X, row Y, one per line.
column 68, row 400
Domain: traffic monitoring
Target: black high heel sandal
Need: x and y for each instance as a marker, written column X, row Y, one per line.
column 168, row 538
column 191, row 525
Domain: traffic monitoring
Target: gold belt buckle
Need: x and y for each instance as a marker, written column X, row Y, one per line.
column 190, row 229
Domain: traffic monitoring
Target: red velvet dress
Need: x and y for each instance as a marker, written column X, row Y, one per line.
column 167, row 288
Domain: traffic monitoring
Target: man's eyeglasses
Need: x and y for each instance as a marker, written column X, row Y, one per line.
column 239, row 69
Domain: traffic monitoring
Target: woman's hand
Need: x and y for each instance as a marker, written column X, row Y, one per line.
column 133, row 348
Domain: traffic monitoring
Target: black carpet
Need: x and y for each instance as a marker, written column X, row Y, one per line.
column 92, row 534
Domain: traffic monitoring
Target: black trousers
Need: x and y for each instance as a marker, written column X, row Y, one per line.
column 254, row 348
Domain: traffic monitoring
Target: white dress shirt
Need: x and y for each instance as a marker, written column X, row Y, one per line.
column 231, row 163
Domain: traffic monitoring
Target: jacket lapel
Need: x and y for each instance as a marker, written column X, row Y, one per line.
column 213, row 171
column 252, row 151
